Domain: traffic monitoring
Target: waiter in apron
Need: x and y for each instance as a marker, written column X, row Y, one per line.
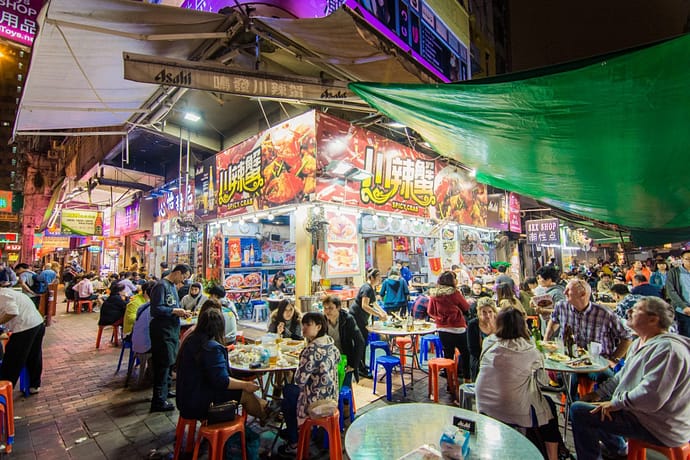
column 165, row 333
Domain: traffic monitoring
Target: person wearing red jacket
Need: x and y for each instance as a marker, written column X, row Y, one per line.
column 446, row 307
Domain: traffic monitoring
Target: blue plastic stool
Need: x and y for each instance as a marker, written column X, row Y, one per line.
column 373, row 336
column 24, row 382
column 424, row 347
column 346, row 395
column 388, row 363
column 126, row 343
column 377, row 345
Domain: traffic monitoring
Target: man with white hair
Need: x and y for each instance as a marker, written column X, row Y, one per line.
column 589, row 322
column 648, row 399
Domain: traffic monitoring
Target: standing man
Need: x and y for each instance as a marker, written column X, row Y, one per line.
column 25, row 345
column 26, row 281
column 648, row 399
column 678, row 291
column 165, row 334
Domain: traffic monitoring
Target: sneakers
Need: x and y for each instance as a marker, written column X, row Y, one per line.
column 165, row 407
column 33, row 391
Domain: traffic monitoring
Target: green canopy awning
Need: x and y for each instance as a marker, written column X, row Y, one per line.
column 607, row 139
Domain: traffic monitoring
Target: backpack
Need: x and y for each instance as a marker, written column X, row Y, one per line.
column 39, row 285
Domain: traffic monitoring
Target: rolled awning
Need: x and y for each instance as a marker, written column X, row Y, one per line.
column 75, row 79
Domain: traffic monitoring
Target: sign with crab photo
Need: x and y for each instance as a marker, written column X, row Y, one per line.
column 273, row 168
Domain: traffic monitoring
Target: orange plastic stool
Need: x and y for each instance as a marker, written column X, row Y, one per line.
column 7, row 410
column 73, row 304
column 218, row 434
column 188, row 425
column 401, row 343
column 239, row 338
column 637, row 450
column 435, row 366
column 332, row 426
column 114, row 338
column 584, row 385
column 84, row 302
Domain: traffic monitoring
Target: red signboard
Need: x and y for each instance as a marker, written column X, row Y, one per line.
column 9, row 237
column 5, row 201
column 392, row 177
column 514, row 211
column 274, row 168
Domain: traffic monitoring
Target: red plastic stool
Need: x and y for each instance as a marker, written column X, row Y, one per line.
column 70, row 302
column 218, row 434
column 332, row 426
column 401, row 343
column 239, row 338
column 116, row 327
column 7, row 409
column 85, row 302
column 435, row 366
column 637, row 450
column 188, row 425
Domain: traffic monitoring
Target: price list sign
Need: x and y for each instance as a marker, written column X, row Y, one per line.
column 543, row 231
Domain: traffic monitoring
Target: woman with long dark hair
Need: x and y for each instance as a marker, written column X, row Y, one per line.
column 447, row 307
column 203, row 375
column 285, row 321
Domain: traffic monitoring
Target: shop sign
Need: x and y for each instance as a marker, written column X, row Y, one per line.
column 274, row 168
column 514, row 213
column 18, row 20
column 5, row 201
column 543, row 231
column 112, row 243
column 9, row 237
column 169, row 205
column 13, row 247
column 8, row 217
column 165, row 227
column 576, row 238
column 157, row 228
column 51, row 243
column 342, row 246
column 94, row 249
column 497, row 211
column 76, row 222
column 398, row 178
column 127, row 219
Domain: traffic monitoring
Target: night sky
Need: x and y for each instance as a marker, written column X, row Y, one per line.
column 545, row 32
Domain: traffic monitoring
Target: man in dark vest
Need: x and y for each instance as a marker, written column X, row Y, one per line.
column 165, row 333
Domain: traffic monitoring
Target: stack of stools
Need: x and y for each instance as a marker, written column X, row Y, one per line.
column 389, row 363
column 6, row 415
column 637, row 450
column 430, row 341
column 217, row 436
column 331, row 425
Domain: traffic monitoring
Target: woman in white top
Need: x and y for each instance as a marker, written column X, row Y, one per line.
column 507, row 387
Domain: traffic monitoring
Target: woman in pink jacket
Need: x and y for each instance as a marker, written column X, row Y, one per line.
column 446, row 307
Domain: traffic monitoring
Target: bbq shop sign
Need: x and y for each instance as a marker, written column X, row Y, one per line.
column 543, row 231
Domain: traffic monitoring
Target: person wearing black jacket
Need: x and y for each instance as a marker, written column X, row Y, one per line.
column 286, row 321
column 342, row 327
column 113, row 308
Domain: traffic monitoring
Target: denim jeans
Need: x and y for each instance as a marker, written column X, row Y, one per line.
column 289, row 406
column 589, row 429
column 683, row 324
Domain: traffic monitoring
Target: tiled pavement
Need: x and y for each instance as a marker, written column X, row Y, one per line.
column 83, row 412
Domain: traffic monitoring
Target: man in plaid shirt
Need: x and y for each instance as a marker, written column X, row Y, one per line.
column 590, row 322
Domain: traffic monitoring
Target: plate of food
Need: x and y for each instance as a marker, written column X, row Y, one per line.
column 549, row 345
column 558, row 357
column 234, row 281
column 580, row 362
column 341, row 228
column 542, row 301
column 368, row 223
column 252, row 279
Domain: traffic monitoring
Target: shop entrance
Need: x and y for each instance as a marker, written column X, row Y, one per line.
column 383, row 254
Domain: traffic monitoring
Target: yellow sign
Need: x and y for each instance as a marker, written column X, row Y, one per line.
column 83, row 223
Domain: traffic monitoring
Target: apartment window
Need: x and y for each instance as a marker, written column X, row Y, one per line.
column 20, row 77
column 14, row 149
column 5, row 123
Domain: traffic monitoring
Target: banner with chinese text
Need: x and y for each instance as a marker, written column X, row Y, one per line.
column 543, row 231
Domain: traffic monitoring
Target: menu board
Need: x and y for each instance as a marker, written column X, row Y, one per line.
column 342, row 245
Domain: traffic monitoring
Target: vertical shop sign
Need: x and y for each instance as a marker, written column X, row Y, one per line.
column 514, row 211
column 543, row 231
column 342, row 245
column 497, row 211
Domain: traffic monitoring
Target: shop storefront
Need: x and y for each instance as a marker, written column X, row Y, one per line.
column 374, row 201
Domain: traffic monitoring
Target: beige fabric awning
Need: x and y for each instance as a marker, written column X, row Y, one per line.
column 75, row 79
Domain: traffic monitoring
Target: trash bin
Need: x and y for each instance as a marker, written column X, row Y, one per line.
column 309, row 303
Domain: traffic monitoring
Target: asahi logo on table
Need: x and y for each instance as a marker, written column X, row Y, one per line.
column 181, row 78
